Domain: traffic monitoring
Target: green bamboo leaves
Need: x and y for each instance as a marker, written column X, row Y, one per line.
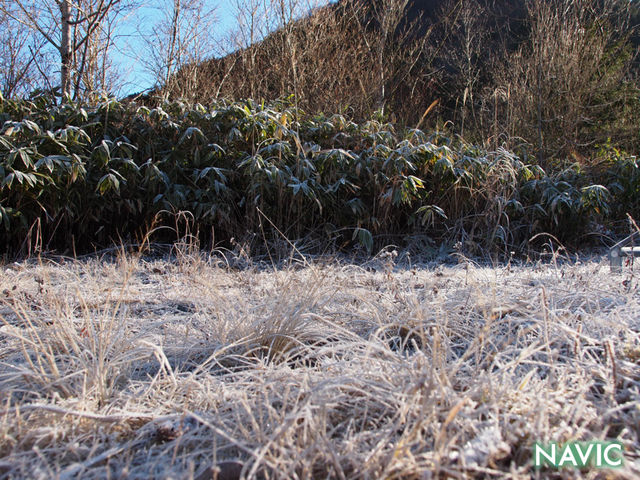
column 89, row 175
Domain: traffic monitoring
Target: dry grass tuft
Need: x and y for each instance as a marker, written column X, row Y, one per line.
column 144, row 369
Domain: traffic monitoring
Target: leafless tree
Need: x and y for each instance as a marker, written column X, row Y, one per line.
column 20, row 51
column 465, row 34
column 177, row 43
column 330, row 56
column 79, row 31
column 252, row 18
column 568, row 77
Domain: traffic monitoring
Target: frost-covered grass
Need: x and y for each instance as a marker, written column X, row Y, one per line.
column 141, row 368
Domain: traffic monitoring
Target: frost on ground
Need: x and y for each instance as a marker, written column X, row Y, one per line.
column 136, row 368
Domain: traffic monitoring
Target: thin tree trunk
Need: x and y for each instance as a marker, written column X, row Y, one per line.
column 539, row 115
column 173, row 46
column 65, row 48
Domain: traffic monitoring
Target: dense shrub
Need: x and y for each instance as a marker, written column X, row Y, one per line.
column 74, row 176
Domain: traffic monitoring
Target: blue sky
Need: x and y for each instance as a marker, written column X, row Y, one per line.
column 135, row 78
column 134, row 75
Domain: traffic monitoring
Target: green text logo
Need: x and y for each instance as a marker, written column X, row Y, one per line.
column 578, row 455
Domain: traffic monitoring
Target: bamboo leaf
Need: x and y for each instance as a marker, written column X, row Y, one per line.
column 107, row 183
column 364, row 238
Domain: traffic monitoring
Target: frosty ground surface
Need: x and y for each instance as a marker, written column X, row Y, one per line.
column 136, row 368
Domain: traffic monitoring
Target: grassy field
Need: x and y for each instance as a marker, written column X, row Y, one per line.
column 202, row 367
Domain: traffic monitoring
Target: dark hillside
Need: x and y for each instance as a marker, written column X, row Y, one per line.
column 557, row 75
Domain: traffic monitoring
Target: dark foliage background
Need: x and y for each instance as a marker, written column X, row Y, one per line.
column 79, row 177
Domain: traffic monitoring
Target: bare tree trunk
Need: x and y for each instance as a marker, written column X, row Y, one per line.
column 65, row 48
column 173, row 41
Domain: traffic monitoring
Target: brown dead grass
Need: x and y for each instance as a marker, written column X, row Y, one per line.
column 142, row 369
